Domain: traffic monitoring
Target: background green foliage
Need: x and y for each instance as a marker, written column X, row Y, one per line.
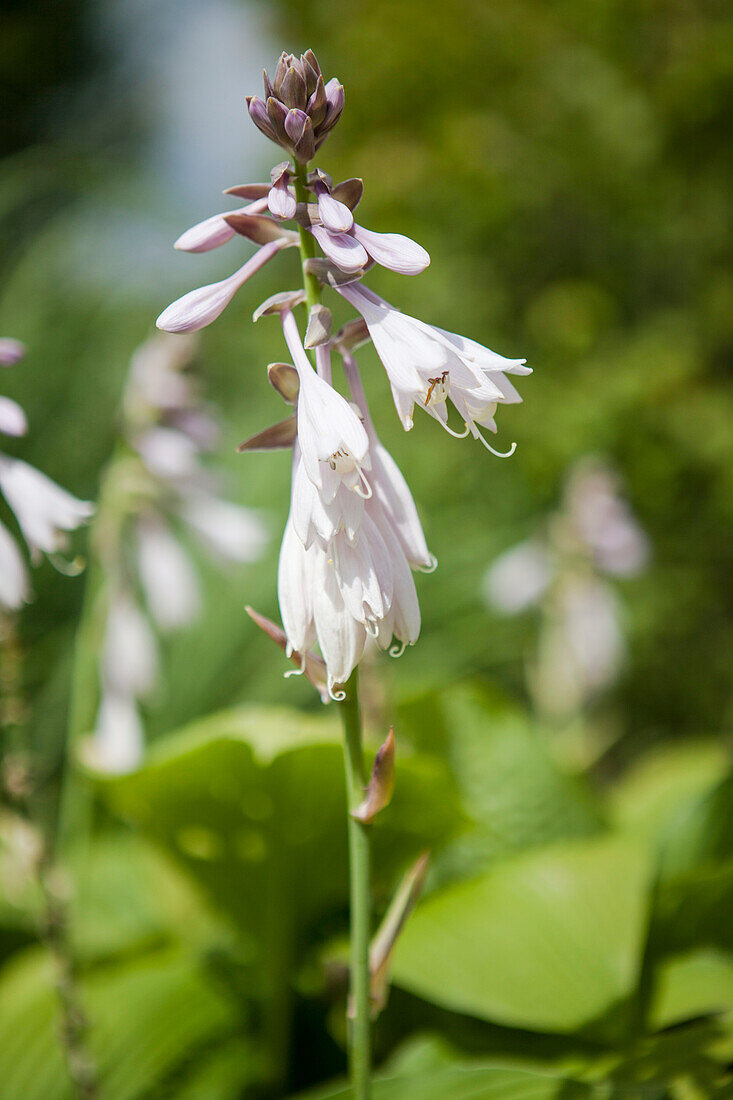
column 568, row 168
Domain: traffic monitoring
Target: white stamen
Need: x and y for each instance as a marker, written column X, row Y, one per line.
column 499, row 454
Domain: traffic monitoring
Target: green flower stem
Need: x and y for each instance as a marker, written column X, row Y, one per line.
column 307, row 244
column 359, row 855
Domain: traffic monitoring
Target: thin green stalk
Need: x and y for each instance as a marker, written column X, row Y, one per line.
column 359, row 857
column 307, row 244
column 359, row 853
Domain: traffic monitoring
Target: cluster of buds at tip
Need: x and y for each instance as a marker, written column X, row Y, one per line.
column 299, row 110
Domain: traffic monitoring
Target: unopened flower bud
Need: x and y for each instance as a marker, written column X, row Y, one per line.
column 299, row 109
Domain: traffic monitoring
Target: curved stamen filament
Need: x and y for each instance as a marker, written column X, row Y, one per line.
column 499, row 454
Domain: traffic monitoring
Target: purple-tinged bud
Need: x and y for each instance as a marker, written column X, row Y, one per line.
column 208, row 234
column 292, row 91
column 280, row 200
column 200, row 307
column 277, row 113
column 342, row 249
column 11, row 351
column 311, row 72
column 393, row 250
column 317, row 105
column 258, row 113
column 310, row 57
column 299, row 130
column 334, row 106
column 335, row 216
column 280, row 71
column 298, row 86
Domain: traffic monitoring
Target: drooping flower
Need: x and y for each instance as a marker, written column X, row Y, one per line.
column 428, row 366
column 388, row 485
column 46, row 513
column 343, row 592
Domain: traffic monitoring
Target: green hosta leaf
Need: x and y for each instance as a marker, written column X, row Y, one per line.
column 663, row 781
column 152, row 1015
column 550, row 939
column 477, row 1081
column 692, row 985
column 701, row 833
column 511, row 787
column 252, row 803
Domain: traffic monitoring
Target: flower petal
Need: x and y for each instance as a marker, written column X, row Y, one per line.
column 393, row 250
column 43, row 509
column 341, row 249
column 200, row 307
column 167, row 575
column 14, row 586
column 12, row 418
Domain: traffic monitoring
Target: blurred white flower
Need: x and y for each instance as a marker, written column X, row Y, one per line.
column 167, row 488
column 581, row 645
column 519, row 577
column 45, row 512
column 581, row 648
column 167, row 574
column 119, row 739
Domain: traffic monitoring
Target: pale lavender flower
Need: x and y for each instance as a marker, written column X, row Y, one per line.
column 11, row 351
column 200, row 307
column 280, row 198
column 428, row 366
column 604, row 521
column 352, row 250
